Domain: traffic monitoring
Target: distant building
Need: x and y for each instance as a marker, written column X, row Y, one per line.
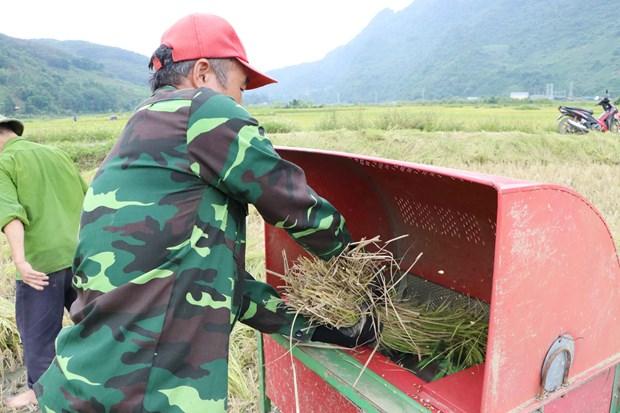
column 519, row 95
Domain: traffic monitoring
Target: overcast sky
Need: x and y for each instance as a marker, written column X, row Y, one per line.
column 275, row 33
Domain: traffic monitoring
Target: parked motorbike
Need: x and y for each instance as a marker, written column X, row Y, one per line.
column 579, row 120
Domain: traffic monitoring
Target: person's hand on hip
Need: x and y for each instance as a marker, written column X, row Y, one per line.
column 30, row 276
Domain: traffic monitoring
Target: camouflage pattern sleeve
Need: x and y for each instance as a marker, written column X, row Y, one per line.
column 263, row 309
column 229, row 150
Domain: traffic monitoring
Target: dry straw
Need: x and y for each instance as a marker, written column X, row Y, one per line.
column 452, row 334
column 10, row 348
column 242, row 377
column 338, row 292
column 365, row 280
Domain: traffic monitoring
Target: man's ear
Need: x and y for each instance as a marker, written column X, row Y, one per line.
column 201, row 73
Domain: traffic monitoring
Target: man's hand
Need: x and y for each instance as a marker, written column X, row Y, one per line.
column 30, row 276
column 14, row 232
column 366, row 331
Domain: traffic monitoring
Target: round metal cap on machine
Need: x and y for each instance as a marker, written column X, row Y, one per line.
column 557, row 363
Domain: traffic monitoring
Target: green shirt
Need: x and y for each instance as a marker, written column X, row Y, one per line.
column 40, row 186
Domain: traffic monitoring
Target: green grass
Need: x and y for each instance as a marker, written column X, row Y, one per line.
column 513, row 140
column 427, row 117
column 91, row 137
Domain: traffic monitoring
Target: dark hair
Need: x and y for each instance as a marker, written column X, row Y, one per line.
column 172, row 73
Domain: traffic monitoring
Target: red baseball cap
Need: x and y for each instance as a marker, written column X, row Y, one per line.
column 206, row 35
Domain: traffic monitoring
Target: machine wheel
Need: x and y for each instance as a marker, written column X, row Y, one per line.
column 614, row 128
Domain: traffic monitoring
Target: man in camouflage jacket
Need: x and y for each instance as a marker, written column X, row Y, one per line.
column 159, row 267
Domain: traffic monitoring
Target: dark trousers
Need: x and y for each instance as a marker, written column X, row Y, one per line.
column 39, row 320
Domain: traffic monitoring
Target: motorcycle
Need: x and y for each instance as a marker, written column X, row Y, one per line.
column 578, row 120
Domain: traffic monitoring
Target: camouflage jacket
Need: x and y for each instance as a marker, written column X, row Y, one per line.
column 159, row 266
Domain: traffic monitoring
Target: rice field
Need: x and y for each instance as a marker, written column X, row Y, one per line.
column 527, row 117
column 512, row 140
column 429, row 117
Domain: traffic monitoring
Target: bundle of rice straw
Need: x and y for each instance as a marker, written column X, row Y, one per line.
column 365, row 280
column 453, row 334
column 339, row 292
column 10, row 347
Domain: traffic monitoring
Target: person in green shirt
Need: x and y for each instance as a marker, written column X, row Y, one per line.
column 41, row 194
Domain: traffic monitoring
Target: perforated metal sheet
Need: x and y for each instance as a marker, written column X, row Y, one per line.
column 420, row 290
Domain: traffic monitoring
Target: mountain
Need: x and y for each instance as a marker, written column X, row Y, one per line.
column 437, row 49
column 52, row 77
column 118, row 63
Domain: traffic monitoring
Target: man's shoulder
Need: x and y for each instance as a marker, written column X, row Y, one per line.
column 23, row 143
column 20, row 147
column 26, row 145
column 19, row 152
column 26, row 149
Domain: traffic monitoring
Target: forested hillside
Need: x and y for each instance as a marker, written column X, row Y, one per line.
column 52, row 77
column 458, row 48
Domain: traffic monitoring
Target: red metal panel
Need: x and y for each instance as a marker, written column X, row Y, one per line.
column 541, row 255
column 314, row 394
column 457, row 393
column 449, row 218
column 460, row 392
column 556, row 272
column 592, row 397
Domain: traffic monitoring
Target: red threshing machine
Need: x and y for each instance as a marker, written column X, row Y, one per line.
column 540, row 255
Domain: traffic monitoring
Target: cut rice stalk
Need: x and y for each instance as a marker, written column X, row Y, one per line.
column 10, row 347
column 454, row 335
column 359, row 283
column 336, row 292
